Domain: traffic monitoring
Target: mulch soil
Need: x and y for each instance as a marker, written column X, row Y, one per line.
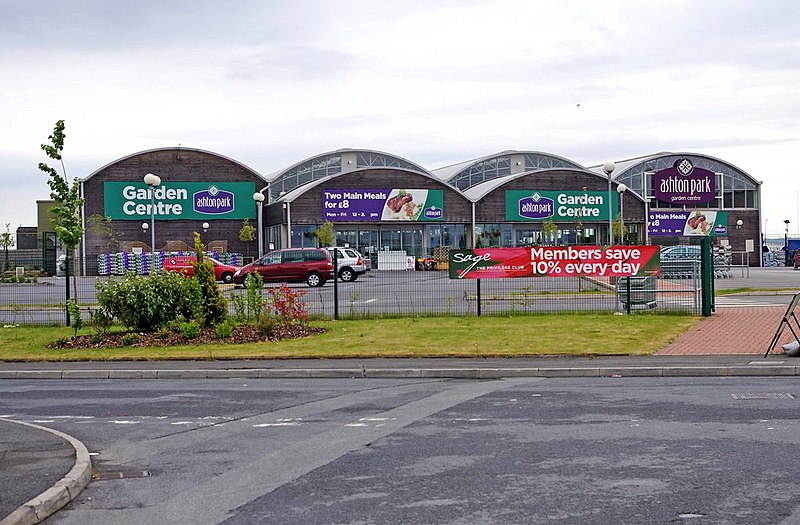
column 240, row 334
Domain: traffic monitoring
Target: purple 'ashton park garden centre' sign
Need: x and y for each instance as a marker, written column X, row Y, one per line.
column 684, row 183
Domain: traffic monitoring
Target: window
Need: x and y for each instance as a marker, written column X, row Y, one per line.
column 315, row 255
column 292, row 256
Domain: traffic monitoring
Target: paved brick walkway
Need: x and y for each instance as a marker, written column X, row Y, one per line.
column 733, row 331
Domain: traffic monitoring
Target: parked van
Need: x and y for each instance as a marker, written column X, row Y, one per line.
column 185, row 264
column 292, row 265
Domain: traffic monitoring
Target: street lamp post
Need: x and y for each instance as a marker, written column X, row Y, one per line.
column 621, row 189
column 259, row 198
column 205, row 227
column 608, row 169
column 786, row 241
column 153, row 181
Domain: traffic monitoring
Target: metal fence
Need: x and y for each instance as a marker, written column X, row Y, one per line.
column 405, row 293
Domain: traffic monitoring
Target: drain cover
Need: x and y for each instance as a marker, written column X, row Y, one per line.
column 762, row 395
column 121, row 474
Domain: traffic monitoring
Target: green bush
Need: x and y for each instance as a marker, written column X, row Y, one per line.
column 190, row 329
column 224, row 330
column 146, row 303
column 130, row 339
column 238, row 307
column 74, row 312
column 266, row 324
column 215, row 307
column 255, row 295
column 101, row 321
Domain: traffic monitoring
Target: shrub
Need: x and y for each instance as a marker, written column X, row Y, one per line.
column 130, row 339
column 287, row 305
column 215, row 308
column 101, row 321
column 255, row 295
column 224, row 330
column 190, row 329
column 238, row 307
column 146, row 303
column 266, row 324
column 75, row 316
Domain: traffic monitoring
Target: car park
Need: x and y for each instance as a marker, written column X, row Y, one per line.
column 185, row 264
column 314, row 266
column 349, row 262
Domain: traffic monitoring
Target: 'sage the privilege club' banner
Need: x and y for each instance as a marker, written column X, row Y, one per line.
column 554, row 261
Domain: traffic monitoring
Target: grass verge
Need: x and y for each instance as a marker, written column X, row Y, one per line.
column 734, row 291
column 562, row 334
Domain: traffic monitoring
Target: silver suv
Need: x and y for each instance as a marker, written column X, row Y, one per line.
column 349, row 262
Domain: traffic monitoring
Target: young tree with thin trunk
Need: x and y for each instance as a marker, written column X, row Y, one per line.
column 67, row 210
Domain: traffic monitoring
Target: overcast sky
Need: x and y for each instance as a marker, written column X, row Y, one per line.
column 269, row 83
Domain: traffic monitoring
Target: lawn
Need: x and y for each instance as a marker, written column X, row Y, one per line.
column 557, row 334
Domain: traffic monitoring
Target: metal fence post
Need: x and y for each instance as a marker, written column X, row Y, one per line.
column 628, row 291
column 335, row 285
column 707, row 276
column 478, row 282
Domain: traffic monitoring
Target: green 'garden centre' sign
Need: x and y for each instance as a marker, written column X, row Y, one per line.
column 180, row 200
column 571, row 206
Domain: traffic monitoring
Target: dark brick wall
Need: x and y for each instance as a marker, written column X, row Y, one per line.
column 176, row 164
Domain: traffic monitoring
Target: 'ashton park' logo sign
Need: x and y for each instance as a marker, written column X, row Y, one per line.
column 213, row 201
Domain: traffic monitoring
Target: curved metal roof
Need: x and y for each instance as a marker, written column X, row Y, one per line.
column 479, row 191
column 333, row 163
column 248, row 168
column 631, row 171
column 467, row 174
column 294, row 194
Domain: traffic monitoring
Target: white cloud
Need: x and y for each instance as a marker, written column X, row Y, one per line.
column 269, row 84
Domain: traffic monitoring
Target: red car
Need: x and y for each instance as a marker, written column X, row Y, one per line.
column 292, row 265
column 183, row 264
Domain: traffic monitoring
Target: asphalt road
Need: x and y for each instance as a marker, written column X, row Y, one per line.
column 566, row 451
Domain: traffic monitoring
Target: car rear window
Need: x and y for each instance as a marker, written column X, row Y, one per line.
column 315, row 255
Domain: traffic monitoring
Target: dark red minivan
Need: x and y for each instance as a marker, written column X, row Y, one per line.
column 292, row 265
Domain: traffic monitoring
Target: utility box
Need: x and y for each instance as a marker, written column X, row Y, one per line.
column 642, row 291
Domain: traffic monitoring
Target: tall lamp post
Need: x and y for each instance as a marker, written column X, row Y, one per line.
column 621, row 189
column 608, row 169
column 153, row 181
column 259, row 198
column 786, row 241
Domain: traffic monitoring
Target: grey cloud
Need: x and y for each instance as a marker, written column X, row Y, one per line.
column 293, row 61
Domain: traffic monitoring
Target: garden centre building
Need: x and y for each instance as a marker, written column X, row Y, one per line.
column 379, row 202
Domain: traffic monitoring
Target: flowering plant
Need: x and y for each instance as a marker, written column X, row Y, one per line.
column 287, row 305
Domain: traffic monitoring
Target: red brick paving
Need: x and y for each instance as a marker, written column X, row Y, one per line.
column 733, row 331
